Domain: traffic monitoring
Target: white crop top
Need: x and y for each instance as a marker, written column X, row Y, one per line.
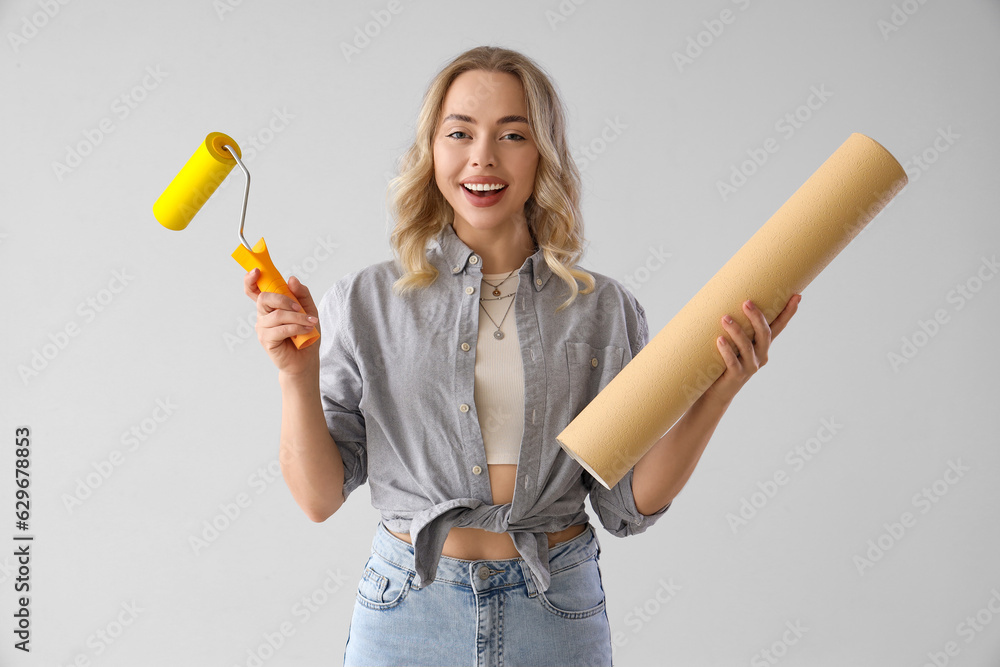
column 499, row 389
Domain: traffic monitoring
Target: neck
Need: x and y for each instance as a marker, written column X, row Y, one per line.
column 502, row 249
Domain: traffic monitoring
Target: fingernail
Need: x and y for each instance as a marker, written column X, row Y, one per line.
column 728, row 319
column 312, row 319
column 749, row 305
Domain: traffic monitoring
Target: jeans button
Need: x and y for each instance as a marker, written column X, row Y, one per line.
column 484, row 572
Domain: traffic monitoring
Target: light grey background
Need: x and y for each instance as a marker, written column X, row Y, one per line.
column 175, row 327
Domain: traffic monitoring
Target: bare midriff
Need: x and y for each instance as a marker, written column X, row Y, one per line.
column 479, row 544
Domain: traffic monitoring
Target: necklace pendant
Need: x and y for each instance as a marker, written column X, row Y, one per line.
column 498, row 334
column 496, row 292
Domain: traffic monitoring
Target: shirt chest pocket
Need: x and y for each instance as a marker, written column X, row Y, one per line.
column 590, row 370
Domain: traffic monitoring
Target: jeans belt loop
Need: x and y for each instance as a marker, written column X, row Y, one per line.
column 529, row 579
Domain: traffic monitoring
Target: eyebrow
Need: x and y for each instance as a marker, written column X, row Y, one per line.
column 470, row 119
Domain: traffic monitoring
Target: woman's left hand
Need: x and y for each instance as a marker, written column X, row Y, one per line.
column 743, row 356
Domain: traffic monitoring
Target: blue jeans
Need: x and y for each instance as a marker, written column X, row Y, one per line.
column 480, row 612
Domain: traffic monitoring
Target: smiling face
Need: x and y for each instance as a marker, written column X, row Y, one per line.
column 484, row 154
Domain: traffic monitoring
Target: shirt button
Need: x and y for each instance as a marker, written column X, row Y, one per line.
column 593, row 362
column 466, row 347
column 473, row 260
column 470, row 290
column 456, row 269
column 484, row 572
column 476, row 470
column 464, row 407
column 538, row 281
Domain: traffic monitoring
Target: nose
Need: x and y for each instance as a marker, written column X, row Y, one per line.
column 482, row 154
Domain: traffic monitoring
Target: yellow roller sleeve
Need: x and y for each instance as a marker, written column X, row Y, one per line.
column 657, row 387
column 196, row 182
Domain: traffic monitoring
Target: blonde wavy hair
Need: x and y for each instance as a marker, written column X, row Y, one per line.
column 553, row 209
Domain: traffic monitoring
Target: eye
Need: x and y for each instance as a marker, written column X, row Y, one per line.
column 458, row 132
column 513, row 136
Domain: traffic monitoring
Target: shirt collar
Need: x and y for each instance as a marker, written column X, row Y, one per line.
column 458, row 257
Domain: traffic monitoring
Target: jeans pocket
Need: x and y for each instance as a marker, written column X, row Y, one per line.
column 575, row 592
column 383, row 585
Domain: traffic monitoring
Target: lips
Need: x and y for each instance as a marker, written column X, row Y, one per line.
column 483, row 191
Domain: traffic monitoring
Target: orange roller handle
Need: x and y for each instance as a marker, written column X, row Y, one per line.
column 271, row 281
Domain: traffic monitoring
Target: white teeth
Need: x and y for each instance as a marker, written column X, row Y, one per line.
column 482, row 187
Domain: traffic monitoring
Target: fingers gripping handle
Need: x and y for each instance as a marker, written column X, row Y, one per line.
column 271, row 281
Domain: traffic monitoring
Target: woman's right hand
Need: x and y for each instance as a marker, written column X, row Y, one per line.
column 279, row 318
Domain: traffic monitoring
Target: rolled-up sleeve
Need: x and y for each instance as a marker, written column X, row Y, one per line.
column 615, row 507
column 341, row 387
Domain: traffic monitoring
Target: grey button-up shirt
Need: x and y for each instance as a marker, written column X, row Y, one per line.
column 397, row 381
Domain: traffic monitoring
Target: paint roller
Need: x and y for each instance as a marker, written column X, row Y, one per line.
column 652, row 391
column 191, row 188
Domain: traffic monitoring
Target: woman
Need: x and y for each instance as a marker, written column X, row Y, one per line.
column 443, row 376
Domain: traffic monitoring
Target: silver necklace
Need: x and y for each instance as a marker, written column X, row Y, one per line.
column 498, row 335
column 496, row 288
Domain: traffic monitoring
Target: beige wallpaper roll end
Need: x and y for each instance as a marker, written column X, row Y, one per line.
column 658, row 386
